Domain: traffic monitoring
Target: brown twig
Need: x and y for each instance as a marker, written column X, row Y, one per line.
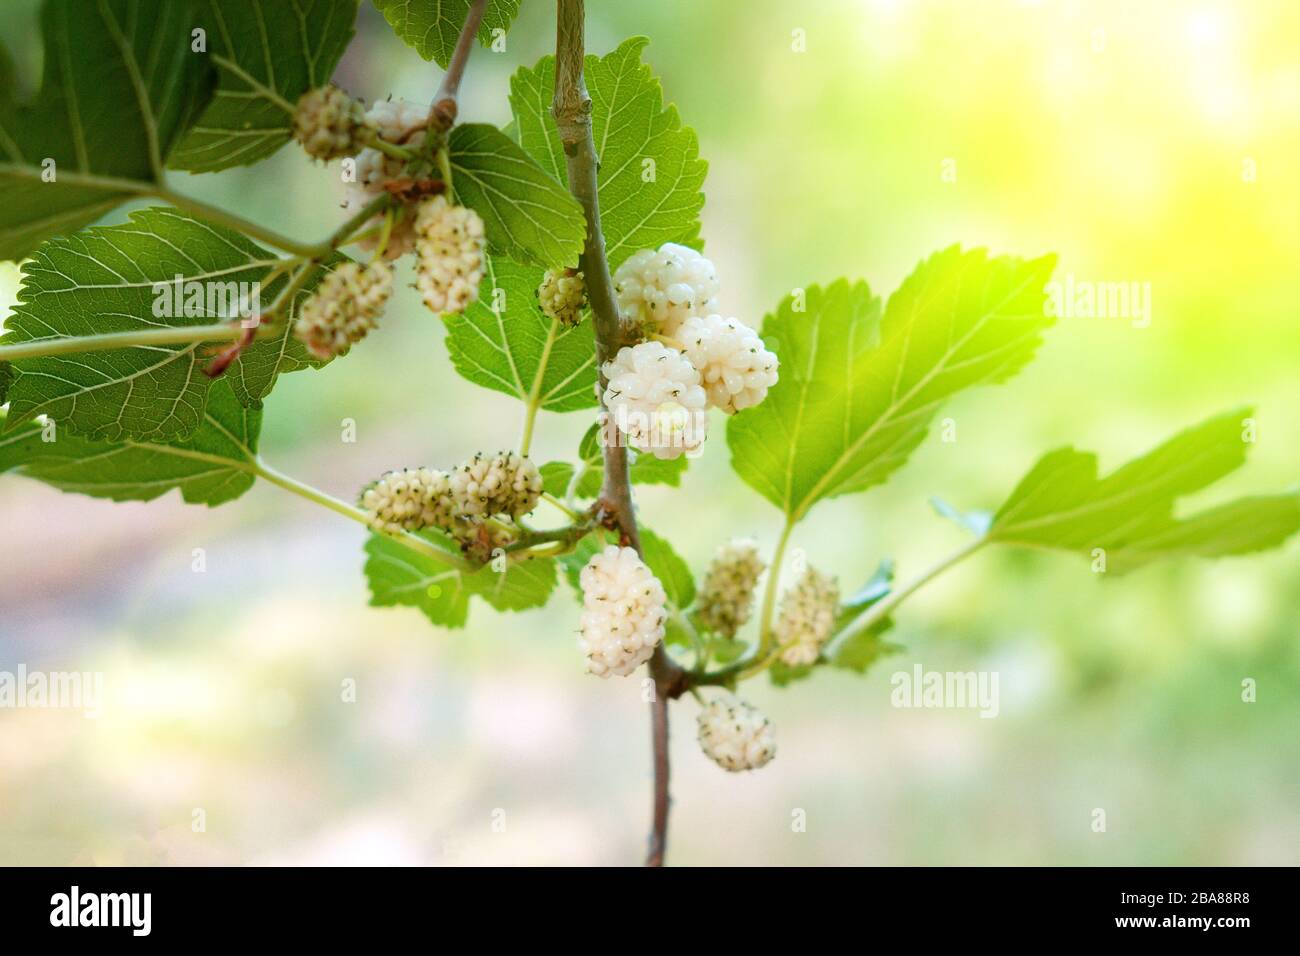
column 408, row 189
column 572, row 111
column 228, row 355
column 442, row 114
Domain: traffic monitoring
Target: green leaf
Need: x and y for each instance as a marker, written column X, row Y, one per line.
column 1062, row 503
column 783, row 675
column 211, row 467
column 865, row 648
column 103, row 280
column 556, row 476
column 724, row 650
column 573, row 562
column 6, row 378
column 399, row 576
column 267, row 54
column 431, row 27
column 672, row 572
column 858, row 391
column 650, row 175
column 8, row 80
column 527, row 215
column 509, row 349
column 876, row 589
column 120, row 89
column 646, row 469
column 521, row 586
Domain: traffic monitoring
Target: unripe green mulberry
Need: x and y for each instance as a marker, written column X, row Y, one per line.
column 807, row 617
column 328, row 123
column 344, row 307
column 563, row 295
column 502, row 484
column 727, row 595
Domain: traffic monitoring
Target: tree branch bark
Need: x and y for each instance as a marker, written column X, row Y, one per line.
column 572, row 111
column 445, row 101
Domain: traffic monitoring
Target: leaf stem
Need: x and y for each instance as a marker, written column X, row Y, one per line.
column 168, row 335
column 306, row 491
column 765, row 636
column 571, row 492
column 572, row 513
column 319, row 250
column 700, row 645
column 534, row 401
column 238, row 223
column 883, row 608
column 372, row 139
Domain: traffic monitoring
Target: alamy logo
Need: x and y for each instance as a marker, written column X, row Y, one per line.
column 75, row 690
column 218, row 300
column 103, row 909
column 669, row 426
column 946, row 690
column 1084, row 299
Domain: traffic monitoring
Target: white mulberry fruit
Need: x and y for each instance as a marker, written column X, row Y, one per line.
column 398, row 120
column 328, row 123
column 735, row 735
column 727, row 595
column 344, row 307
column 664, row 288
column 449, row 243
column 563, row 295
column 501, row 484
column 655, row 398
column 623, row 612
column 401, row 122
column 409, row 500
column 807, row 617
column 735, row 367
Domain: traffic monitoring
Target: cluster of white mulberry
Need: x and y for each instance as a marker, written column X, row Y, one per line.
column 807, row 617
column 448, row 239
column 344, row 308
column 623, row 621
column 735, row 735
column 328, row 123
column 726, row 597
column 657, row 392
column 622, row 612
column 562, row 295
column 500, row 487
column 449, row 245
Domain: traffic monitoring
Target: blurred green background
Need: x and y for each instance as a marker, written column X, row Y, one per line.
column 1152, row 142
